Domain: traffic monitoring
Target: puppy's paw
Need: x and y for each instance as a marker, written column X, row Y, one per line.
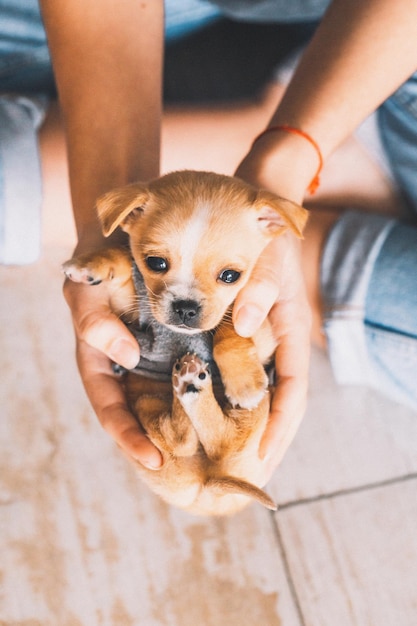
column 247, row 387
column 190, row 376
column 103, row 265
column 86, row 273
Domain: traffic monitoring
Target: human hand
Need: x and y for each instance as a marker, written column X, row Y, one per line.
column 276, row 288
column 101, row 338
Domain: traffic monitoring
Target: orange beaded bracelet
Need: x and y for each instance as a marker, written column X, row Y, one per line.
column 296, row 131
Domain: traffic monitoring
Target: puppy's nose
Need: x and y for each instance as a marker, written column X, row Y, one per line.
column 186, row 312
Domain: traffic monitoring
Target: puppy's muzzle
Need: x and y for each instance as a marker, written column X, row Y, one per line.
column 185, row 313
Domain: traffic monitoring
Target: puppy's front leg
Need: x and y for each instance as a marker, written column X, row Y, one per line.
column 243, row 376
column 112, row 266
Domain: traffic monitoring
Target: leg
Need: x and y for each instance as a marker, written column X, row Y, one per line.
column 26, row 81
column 361, row 276
column 112, row 266
column 20, row 179
column 243, row 376
column 315, row 234
column 168, row 427
column 193, row 391
column 398, row 128
column 186, row 17
column 390, row 314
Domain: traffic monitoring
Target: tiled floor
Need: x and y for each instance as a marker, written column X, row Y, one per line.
column 83, row 542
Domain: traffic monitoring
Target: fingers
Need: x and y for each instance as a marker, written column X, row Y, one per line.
column 102, row 338
column 257, row 298
column 107, row 397
column 109, row 335
column 96, row 325
column 287, row 411
column 293, row 321
column 276, row 289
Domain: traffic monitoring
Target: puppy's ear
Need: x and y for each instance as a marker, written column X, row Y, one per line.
column 121, row 207
column 276, row 215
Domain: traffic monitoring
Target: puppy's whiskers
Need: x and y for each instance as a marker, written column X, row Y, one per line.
column 131, row 308
column 228, row 318
column 151, row 292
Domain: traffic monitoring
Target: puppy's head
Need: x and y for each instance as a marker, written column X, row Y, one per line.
column 195, row 237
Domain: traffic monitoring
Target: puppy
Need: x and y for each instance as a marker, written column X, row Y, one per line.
column 200, row 390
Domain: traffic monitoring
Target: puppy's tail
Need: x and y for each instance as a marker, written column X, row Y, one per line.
column 229, row 485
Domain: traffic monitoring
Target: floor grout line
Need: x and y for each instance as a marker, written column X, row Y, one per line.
column 287, row 571
column 346, row 492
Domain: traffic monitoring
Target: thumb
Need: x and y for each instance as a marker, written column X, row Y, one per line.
column 257, row 298
column 98, row 326
column 109, row 335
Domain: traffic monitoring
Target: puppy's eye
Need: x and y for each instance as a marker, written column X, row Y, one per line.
column 157, row 264
column 229, row 276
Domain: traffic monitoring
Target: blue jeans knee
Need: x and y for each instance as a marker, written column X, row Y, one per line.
column 25, row 64
column 397, row 118
column 369, row 292
column 390, row 314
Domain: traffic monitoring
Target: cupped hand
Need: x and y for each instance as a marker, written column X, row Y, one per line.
column 102, row 338
column 284, row 164
column 276, row 289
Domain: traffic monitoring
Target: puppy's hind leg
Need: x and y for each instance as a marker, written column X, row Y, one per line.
column 169, row 428
column 193, row 390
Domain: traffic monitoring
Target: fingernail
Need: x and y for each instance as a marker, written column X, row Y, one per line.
column 264, row 455
column 153, row 462
column 124, row 353
column 248, row 320
column 264, row 450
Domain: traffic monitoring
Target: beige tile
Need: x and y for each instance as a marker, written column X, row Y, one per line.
column 83, row 542
column 350, row 436
column 353, row 559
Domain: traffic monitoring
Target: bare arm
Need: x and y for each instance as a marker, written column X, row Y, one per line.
column 361, row 53
column 107, row 58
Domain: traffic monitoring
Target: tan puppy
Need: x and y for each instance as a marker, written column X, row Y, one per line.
column 194, row 238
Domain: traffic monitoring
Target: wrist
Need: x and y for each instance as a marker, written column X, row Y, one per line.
column 293, row 130
column 283, row 162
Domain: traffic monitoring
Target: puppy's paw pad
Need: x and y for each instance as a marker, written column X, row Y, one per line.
column 80, row 274
column 190, row 375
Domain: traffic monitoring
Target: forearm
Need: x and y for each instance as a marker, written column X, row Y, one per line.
column 107, row 58
column 361, row 53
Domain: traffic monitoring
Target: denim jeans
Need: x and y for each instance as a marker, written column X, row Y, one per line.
column 369, row 264
column 25, row 81
column 369, row 293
